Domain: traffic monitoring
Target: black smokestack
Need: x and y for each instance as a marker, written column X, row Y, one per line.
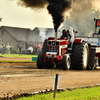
column 56, row 8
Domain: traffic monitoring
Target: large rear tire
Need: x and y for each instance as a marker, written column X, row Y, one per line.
column 80, row 55
column 32, row 49
column 66, row 62
column 40, row 61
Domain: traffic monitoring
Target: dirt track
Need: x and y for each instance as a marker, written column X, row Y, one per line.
column 16, row 78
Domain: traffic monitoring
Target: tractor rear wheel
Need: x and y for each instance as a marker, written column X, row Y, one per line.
column 66, row 62
column 39, row 61
column 80, row 55
column 32, row 49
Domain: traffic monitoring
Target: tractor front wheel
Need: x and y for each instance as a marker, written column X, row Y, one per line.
column 66, row 62
column 39, row 61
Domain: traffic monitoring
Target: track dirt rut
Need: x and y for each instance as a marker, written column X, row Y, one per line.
column 17, row 78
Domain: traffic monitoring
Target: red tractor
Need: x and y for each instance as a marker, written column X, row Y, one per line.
column 35, row 47
column 74, row 53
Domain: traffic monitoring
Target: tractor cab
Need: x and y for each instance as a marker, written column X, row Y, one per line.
column 71, row 33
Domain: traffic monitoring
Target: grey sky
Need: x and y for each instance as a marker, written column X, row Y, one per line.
column 17, row 16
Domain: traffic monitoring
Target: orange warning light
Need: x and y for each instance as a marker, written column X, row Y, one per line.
column 98, row 22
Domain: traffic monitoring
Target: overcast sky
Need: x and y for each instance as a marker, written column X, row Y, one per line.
column 17, row 16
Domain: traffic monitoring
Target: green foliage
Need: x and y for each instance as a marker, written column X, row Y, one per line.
column 16, row 51
column 77, row 94
column 12, row 50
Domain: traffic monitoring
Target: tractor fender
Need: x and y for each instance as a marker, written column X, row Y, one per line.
column 78, row 40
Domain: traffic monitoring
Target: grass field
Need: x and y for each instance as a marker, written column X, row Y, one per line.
column 17, row 55
column 77, row 94
column 5, row 61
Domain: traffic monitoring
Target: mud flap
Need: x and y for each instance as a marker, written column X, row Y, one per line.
column 91, row 61
column 96, row 61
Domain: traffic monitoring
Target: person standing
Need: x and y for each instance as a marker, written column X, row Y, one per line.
column 20, row 50
column 8, row 48
column 3, row 48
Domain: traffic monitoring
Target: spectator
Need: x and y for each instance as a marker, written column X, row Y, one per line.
column 8, row 49
column 39, row 47
column 20, row 50
column 3, row 48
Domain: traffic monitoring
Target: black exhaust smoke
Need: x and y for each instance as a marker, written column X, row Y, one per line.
column 33, row 3
column 55, row 7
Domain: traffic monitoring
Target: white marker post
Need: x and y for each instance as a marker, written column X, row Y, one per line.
column 56, row 84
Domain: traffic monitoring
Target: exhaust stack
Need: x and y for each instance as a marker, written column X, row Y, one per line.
column 55, row 35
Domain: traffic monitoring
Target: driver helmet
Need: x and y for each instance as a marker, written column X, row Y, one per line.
column 64, row 31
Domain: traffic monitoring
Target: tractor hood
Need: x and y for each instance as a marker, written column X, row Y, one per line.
column 52, row 41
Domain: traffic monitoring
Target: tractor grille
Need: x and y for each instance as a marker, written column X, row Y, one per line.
column 53, row 43
column 53, row 49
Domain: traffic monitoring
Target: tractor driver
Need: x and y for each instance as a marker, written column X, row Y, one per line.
column 65, row 34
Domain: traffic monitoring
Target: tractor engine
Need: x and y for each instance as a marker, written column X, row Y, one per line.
column 55, row 50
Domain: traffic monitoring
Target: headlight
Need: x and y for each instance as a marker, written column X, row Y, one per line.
column 53, row 43
column 49, row 42
column 57, row 43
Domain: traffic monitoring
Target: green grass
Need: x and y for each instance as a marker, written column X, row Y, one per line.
column 77, row 94
column 5, row 61
column 17, row 55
